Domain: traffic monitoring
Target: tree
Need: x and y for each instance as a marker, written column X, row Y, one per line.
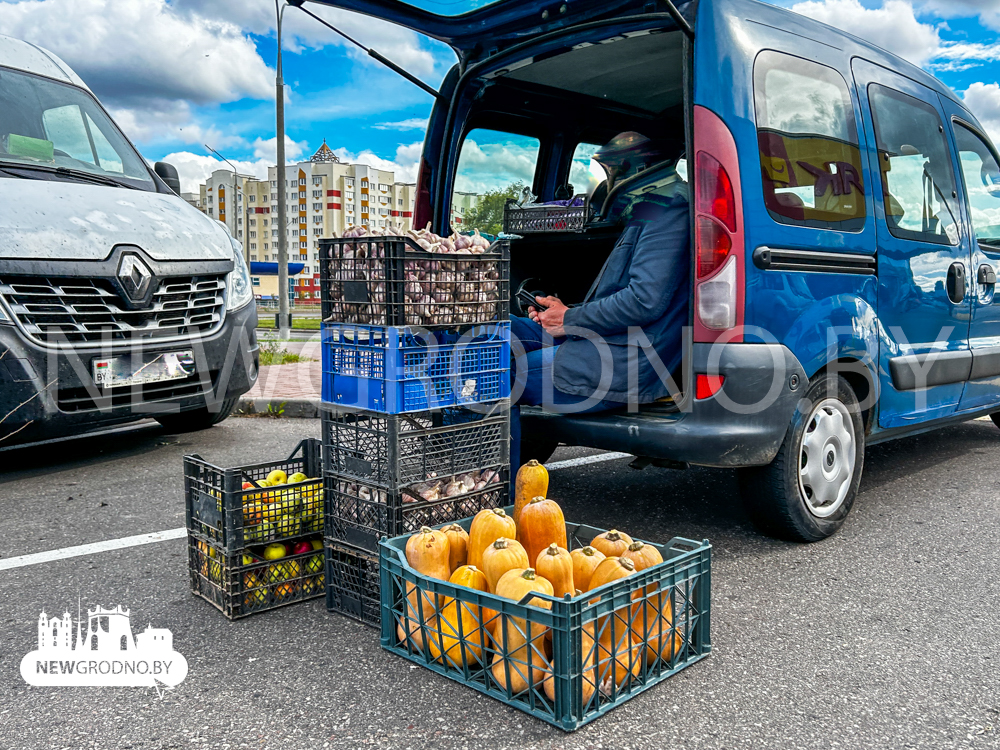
column 487, row 214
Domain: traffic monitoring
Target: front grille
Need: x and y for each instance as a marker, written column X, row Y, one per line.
column 82, row 399
column 79, row 312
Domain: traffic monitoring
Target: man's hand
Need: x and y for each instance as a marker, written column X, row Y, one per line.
column 551, row 317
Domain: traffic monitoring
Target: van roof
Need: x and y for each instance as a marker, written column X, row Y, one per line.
column 21, row 55
column 749, row 11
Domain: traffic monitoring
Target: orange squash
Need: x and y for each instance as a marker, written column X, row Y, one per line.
column 503, row 555
column 532, row 481
column 653, row 617
column 589, row 653
column 458, row 546
column 459, row 639
column 611, row 543
column 619, row 653
column 585, row 560
column 516, row 646
column 541, row 524
column 556, row 565
column 427, row 553
column 489, row 525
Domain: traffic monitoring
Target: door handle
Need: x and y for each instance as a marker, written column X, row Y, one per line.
column 987, row 275
column 956, row 282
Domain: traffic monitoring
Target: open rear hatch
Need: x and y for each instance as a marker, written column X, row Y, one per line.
column 480, row 28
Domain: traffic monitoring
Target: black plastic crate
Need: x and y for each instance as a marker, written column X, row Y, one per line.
column 395, row 451
column 352, row 582
column 244, row 583
column 537, row 219
column 361, row 514
column 392, row 281
column 220, row 507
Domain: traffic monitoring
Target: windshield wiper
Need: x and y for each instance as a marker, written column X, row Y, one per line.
column 64, row 171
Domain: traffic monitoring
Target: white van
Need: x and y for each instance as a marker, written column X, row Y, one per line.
column 118, row 300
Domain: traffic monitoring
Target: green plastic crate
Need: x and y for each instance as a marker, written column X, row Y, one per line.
column 683, row 580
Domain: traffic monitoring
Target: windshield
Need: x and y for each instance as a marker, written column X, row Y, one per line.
column 44, row 123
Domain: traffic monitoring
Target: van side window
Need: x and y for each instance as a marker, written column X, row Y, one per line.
column 584, row 173
column 808, row 141
column 982, row 184
column 492, row 167
column 917, row 176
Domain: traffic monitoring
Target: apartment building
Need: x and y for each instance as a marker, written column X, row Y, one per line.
column 323, row 197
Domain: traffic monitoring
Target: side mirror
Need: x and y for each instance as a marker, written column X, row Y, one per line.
column 168, row 173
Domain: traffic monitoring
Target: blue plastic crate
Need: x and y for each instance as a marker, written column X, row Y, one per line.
column 397, row 370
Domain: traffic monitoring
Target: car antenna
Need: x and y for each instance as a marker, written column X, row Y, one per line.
column 372, row 53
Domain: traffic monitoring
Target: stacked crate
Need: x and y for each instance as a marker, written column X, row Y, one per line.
column 235, row 523
column 416, row 386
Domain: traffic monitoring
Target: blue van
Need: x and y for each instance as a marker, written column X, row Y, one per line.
column 845, row 213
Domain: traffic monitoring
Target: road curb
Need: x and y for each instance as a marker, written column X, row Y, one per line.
column 296, row 408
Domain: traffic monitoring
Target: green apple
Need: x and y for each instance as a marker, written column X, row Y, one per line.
column 275, row 551
column 297, row 477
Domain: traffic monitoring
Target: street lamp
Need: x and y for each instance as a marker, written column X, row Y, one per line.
column 246, row 209
column 279, row 85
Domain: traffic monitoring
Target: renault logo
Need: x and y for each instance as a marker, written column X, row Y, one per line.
column 135, row 277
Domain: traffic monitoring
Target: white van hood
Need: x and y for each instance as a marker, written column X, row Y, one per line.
column 80, row 221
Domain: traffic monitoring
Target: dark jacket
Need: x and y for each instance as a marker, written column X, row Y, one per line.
column 645, row 283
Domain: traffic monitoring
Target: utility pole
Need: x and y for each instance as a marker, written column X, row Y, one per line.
column 279, row 84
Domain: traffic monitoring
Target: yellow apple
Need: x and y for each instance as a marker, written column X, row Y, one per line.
column 277, row 477
column 297, row 477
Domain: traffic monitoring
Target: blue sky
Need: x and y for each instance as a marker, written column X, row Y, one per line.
column 181, row 73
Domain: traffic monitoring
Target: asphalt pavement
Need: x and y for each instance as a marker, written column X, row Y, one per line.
column 885, row 636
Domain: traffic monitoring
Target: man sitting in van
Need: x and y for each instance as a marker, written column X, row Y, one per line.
column 577, row 359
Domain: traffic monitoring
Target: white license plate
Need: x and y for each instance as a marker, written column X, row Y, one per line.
column 120, row 372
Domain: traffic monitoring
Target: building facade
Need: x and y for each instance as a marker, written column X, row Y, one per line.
column 323, row 197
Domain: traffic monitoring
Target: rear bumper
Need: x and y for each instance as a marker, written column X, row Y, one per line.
column 50, row 394
column 744, row 425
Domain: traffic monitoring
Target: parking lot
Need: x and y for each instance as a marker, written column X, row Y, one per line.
column 884, row 636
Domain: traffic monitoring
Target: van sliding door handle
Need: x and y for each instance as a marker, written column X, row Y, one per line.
column 956, row 282
column 987, row 275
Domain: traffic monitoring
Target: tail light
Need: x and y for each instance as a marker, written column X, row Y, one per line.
column 719, row 248
column 422, row 200
column 706, row 386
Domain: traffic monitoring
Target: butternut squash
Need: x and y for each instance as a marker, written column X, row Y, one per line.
column 489, row 525
column 619, row 653
column 585, row 560
column 503, row 555
column 588, row 647
column 653, row 617
column 427, row 553
column 458, row 546
column 541, row 524
column 516, row 646
column 532, row 481
column 611, row 543
column 459, row 640
column 556, row 565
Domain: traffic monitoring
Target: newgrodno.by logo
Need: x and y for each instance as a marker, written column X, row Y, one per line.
column 104, row 654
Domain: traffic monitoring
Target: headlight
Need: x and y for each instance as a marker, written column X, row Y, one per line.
column 239, row 291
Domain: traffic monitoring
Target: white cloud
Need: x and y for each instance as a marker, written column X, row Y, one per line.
column 485, row 165
column 984, row 101
column 268, row 149
column 988, row 11
column 194, row 169
column 893, row 27
column 414, row 123
column 404, row 165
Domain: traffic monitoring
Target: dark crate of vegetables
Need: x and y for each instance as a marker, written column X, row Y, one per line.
column 258, row 578
column 361, row 514
column 352, row 582
column 256, row 503
column 565, row 661
column 410, row 281
column 397, row 370
column 397, row 451
column 535, row 219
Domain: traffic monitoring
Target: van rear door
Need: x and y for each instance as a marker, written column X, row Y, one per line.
column 923, row 251
column 479, row 28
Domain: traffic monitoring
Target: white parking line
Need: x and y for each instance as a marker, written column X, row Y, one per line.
column 23, row 561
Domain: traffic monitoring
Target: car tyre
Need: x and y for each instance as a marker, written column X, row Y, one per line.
column 806, row 493
column 197, row 419
column 536, row 448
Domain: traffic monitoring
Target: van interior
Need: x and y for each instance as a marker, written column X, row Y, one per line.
column 536, row 120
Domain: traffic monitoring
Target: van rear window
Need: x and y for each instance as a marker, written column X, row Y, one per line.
column 808, row 141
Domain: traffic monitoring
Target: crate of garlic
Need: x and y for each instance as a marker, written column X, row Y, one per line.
column 414, row 278
column 594, row 619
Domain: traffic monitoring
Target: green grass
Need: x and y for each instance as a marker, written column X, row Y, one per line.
column 271, row 353
column 266, row 320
